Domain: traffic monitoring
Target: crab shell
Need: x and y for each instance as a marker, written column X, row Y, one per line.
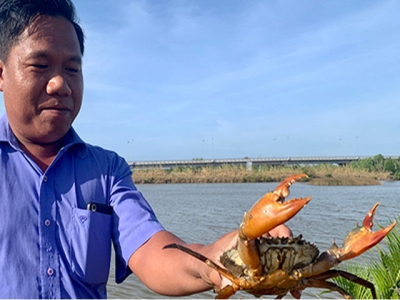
column 285, row 253
column 279, row 257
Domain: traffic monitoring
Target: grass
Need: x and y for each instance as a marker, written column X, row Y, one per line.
column 322, row 174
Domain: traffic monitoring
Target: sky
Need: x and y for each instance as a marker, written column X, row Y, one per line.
column 171, row 80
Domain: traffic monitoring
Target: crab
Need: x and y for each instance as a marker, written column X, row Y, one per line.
column 263, row 265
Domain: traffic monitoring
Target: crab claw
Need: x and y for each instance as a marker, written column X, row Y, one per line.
column 272, row 210
column 362, row 238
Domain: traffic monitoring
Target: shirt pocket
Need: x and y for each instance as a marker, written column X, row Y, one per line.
column 90, row 245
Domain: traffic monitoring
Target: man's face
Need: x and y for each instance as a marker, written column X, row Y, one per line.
column 42, row 81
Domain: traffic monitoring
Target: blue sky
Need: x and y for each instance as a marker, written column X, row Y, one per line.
column 230, row 79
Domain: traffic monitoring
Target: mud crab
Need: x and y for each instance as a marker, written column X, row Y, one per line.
column 275, row 266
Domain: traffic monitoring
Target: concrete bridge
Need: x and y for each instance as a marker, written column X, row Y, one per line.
column 248, row 162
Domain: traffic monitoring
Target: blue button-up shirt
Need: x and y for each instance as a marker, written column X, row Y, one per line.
column 51, row 245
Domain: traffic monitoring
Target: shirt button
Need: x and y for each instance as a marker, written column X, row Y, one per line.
column 45, row 178
column 47, row 222
column 50, row 271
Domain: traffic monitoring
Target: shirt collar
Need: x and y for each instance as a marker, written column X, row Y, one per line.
column 6, row 134
column 71, row 138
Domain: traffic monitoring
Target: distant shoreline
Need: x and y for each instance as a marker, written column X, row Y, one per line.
column 325, row 175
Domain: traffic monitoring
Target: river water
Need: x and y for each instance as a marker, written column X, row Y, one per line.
column 203, row 212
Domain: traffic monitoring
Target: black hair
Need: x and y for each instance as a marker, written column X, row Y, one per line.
column 17, row 15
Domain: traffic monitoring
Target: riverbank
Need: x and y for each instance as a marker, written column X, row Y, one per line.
column 319, row 175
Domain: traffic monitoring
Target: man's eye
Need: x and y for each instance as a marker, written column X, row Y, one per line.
column 39, row 66
column 72, row 70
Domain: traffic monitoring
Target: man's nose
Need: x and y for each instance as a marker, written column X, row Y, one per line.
column 58, row 85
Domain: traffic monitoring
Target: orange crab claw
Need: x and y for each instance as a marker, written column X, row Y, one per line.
column 362, row 238
column 272, row 210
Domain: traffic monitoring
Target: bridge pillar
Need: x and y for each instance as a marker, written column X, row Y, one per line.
column 249, row 165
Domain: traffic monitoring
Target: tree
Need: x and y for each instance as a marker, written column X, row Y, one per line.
column 389, row 165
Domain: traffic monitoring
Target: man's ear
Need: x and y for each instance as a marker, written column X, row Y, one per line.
column 1, row 75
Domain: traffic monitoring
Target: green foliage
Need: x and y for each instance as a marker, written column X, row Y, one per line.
column 383, row 271
column 389, row 165
column 357, row 291
column 389, row 281
column 364, row 164
column 379, row 163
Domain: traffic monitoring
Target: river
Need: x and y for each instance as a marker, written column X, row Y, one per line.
column 204, row 212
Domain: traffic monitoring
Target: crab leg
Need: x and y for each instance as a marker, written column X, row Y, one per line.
column 204, row 259
column 322, row 284
column 349, row 276
column 225, row 292
column 269, row 212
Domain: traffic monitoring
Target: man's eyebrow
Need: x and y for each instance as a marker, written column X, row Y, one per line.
column 76, row 58
column 38, row 54
column 45, row 54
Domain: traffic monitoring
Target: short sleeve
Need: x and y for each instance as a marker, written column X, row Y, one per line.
column 134, row 221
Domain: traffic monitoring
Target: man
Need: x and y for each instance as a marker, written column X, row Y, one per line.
column 63, row 201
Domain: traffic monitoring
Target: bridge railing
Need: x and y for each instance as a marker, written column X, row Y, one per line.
column 249, row 162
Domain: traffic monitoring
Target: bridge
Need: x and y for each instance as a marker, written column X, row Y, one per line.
column 248, row 162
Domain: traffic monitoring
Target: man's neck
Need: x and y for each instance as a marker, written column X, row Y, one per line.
column 42, row 154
